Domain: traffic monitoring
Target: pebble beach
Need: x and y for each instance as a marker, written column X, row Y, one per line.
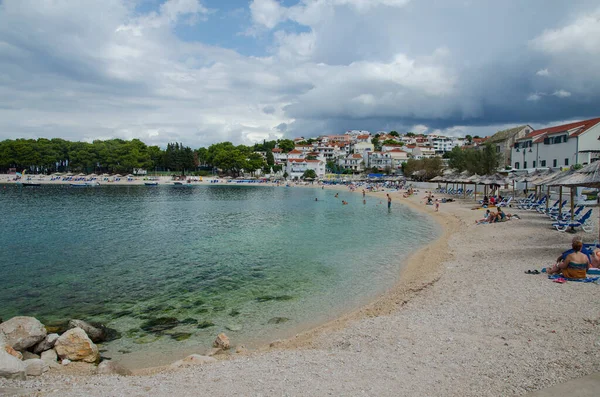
column 465, row 320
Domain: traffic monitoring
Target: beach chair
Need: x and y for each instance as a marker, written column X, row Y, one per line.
column 566, row 214
column 505, row 202
column 582, row 222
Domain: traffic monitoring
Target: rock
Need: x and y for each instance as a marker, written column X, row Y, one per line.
column 35, row 367
column 23, row 332
column 75, row 345
column 194, row 359
column 278, row 320
column 222, row 341
column 215, row 351
column 66, row 361
column 112, row 368
column 3, row 340
column 46, row 344
column 13, row 352
column 50, row 357
column 11, row 367
column 29, row 355
column 276, row 343
column 160, row 324
column 96, row 334
column 241, row 349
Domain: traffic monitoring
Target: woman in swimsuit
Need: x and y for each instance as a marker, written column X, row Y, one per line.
column 575, row 264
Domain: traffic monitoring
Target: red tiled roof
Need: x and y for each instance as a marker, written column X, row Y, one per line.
column 356, row 156
column 296, row 160
column 411, row 146
column 582, row 126
column 295, row 152
column 277, row 150
column 363, row 137
column 397, row 151
column 313, row 161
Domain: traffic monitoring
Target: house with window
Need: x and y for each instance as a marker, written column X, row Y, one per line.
column 505, row 140
column 380, row 160
column 296, row 167
column 557, row 147
column 354, row 162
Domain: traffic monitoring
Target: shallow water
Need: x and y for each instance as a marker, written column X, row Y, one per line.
column 260, row 263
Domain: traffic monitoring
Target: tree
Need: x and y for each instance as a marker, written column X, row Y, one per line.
column 392, row 142
column 394, row 133
column 254, row 162
column 311, row 157
column 469, row 139
column 270, row 158
column 285, row 175
column 286, row 145
column 375, row 142
column 410, row 134
column 309, row 174
column 476, row 137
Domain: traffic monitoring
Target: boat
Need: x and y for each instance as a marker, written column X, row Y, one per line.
column 30, row 184
column 85, row 184
column 151, row 183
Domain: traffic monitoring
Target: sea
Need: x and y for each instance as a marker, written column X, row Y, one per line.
column 167, row 268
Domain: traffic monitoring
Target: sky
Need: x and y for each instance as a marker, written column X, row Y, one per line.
column 206, row 71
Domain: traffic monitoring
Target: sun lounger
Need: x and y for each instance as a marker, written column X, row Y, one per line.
column 583, row 222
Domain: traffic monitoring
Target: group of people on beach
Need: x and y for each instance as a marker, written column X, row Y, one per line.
column 498, row 216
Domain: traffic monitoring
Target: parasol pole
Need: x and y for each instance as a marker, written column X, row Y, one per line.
column 446, row 187
column 464, row 190
column 560, row 200
column 475, row 191
column 514, row 196
column 548, row 199
column 572, row 203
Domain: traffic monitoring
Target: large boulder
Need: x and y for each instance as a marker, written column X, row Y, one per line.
column 23, row 332
column 112, row 368
column 96, row 334
column 13, row 352
column 75, row 345
column 11, row 367
column 46, row 344
column 35, row 367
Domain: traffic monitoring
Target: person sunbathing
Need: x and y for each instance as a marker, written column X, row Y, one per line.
column 575, row 265
column 486, row 219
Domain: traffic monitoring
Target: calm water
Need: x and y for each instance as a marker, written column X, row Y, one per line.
column 258, row 263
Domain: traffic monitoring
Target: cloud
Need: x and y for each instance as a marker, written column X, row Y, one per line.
column 543, row 72
column 100, row 68
column 562, row 94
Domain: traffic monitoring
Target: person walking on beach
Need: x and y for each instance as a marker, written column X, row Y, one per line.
column 389, row 198
column 363, row 191
column 437, row 205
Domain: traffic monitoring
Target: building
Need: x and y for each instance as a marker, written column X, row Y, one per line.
column 354, row 162
column 296, row 167
column 422, row 152
column 505, row 140
column 557, row 147
column 380, row 160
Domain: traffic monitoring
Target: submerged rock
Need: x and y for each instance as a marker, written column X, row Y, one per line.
column 160, row 324
column 266, row 298
column 35, row 367
column 75, row 345
column 46, row 344
column 97, row 332
column 146, row 339
column 180, row 336
column 222, row 342
column 189, row 321
column 23, row 332
column 278, row 320
column 112, row 368
column 234, row 313
column 11, row 367
column 205, row 324
column 234, row 327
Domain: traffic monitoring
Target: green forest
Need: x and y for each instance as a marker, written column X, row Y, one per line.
column 120, row 156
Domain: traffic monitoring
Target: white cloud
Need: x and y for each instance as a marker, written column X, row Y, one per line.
column 534, row 97
column 268, row 13
column 582, row 35
column 543, row 72
column 562, row 94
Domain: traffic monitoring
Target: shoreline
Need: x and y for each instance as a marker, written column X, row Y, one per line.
column 480, row 326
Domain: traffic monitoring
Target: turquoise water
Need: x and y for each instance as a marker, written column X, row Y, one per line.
column 258, row 263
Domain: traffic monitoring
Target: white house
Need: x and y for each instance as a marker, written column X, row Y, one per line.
column 399, row 156
column 296, row 167
column 560, row 146
column 279, row 156
column 380, row 160
column 295, row 155
column 354, row 162
column 422, row 152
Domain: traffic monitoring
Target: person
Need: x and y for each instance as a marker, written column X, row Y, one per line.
column 584, row 250
column 437, row 205
column 316, row 199
column 389, row 198
column 344, row 202
column 336, row 195
column 501, row 216
column 485, row 219
column 486, row 201
column 575, row 264
column 363, row 192
column 492, row 201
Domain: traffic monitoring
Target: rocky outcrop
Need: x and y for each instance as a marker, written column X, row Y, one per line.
column 35, row 367
column 75, row 345
column 29, row 355
column 112, row 368
column 222, row 342
column 23, row 332
column 96, row 334
column 46, row 344
column 11, row 367
column 193, row 359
